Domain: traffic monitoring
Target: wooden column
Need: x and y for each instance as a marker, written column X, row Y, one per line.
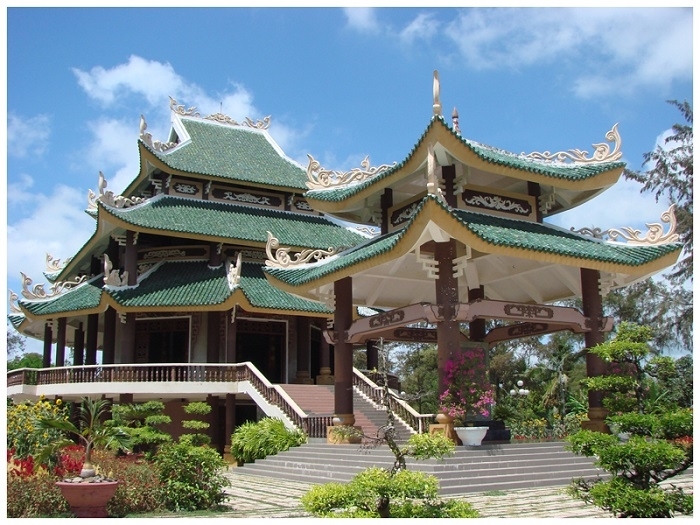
column 213, row 336
column 127, row 338
column 324, row 376
column 343, row 353
column 230, row 336
column 448, row 176
column 108, row 337
column 215, row 256
column 229, row 424
column 61, row 342
column 446, row 298
column 91, row 339
column 303, row 350
column 214, row 430
column 593, row 309
column 372, row 354
column 48, row 342
column 79, row 346
column 386, row 202
column 477, row 328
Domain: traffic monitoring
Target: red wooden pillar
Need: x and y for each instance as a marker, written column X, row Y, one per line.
column 446, row 298
column 48, row 341
column 61, row 342
column 79, row 346
column 593, row 309
column 343, row 353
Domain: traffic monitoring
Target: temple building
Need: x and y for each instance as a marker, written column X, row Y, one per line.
column 227, row 272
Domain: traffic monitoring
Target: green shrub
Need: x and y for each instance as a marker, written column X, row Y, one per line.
column 191, row 477
column 196, row 438
column 675, row 424
column 140, row 421
column 24, row 436
column 267, row 437
column 375, row 493
column 35, row 496
column 635, row 423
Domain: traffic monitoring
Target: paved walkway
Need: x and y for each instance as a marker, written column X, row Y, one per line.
column 259, row 497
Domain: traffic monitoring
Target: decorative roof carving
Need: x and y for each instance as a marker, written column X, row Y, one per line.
column 112, row 277
column 38, row 292
column 437, row 105
column 108, row 197
column 653, row 237
column 148, row 138
column 233, row 271
column 455, row 121
column 14, row 308
column 54, row 265
column 433, row 182
column 219, row 117
column 282, row 259
column 320, row 178
column 601, row 153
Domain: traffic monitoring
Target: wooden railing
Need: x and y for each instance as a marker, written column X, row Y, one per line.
column 314, row 426
column 418, row 422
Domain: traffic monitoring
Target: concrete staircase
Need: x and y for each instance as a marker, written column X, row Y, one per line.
column 470, row 470
column 319, row 400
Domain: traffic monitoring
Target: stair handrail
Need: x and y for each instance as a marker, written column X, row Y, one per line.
column 409, row 415
column 314, row 426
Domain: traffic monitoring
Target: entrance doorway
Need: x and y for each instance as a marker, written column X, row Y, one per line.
column 263, row 344
column 163, row 340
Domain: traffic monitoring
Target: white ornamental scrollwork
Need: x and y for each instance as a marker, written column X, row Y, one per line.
column 38, row 292
column 14, row 307
column 107, row 197
column 112, row 277
column 148, row 138
column 233, row 272
column 219, row 117
column 282, row 259
column 496, row 202
column 437, row 105
column 601, row 153
column 653, row 237
column 54, row 265
column 180, row 110
column 320, row 178
column 433, row 185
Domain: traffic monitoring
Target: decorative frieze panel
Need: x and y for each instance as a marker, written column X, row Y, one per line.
column 403, row 212
column 241, row 196
column 508, row 205
column 173, row 252
column 533, row 311
column 186, row 188
column 300, row 205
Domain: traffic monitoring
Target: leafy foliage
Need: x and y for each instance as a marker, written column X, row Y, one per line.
column 267, row 437
column 24, row 435
column 30, row 360
column 191, row 476
column 196, row 438
column 140, row 421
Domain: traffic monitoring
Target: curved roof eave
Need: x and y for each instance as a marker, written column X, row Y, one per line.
column 335, row 200
column 432, row 211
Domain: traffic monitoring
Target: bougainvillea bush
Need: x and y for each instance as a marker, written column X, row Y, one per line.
column 469, row 392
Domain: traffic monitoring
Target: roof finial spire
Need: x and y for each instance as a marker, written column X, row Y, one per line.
column 455, row 120
column 437, row 106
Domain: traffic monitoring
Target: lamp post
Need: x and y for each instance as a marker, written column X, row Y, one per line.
column 520, row 391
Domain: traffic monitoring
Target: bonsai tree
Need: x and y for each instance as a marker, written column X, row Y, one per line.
column 659, row 446
column 91, row 432
column 140, row 421
column 196, row 438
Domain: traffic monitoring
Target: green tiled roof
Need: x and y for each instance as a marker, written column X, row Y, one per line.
column 554, row 170
column 82, row 297
column 16, row 320
column 235, row 222
column 497, row 231
column 262, row 294
column 176, row 283
column 236, row 153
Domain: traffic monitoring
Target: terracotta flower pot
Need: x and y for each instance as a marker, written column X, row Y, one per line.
column 88, row 500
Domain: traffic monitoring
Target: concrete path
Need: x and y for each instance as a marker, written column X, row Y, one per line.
column 258, row 497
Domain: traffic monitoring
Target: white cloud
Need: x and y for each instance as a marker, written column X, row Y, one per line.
column 423, row 27
column 57, row 225
column 363, row 19
column 608, row 49
column 27, row 135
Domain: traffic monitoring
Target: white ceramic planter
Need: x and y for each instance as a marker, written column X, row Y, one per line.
column 471, row 436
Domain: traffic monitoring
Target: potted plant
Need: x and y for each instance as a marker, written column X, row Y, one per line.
column 89, row 493
column 469, row 395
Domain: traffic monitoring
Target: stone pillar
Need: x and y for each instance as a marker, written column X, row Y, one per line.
column 593, row 309
column 343, row 353
column 61, row 342
column 91, row 339
column 303, row 349
column 229, row 425
column 213, row 336
column 108, row 337
column 372, row 354
column 48, row 341
column 79, row 346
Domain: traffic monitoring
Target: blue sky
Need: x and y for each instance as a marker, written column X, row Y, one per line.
column 338, row 84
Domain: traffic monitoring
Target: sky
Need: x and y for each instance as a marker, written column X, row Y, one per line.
column 339, row 84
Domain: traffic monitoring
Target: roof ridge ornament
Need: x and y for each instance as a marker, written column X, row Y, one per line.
column 14, row 306
column 38, row 292
column 601, row 153
column 233, row 271
column 321, row 178
column 653, row 237
column 108, row 198
column 148, row 138
column 282, row 259
column 219, row 117
column 437, row 105
column 112, row 277
column 54, row 265
column 433, row 182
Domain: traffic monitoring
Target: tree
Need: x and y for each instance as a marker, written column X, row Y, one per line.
column 671, row 176
column 30, row 360
column 15, row 342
